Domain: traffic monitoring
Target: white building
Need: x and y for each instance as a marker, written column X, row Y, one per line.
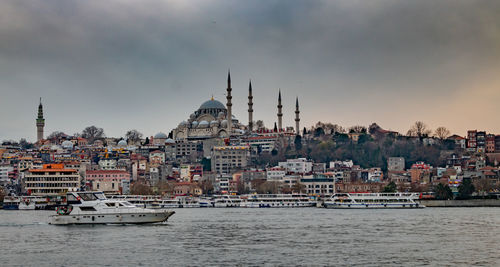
column 300, row 165
column 52, row 179
column 275, row 174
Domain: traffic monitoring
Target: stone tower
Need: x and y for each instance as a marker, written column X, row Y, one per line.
column 229, row 105
column 297, row 118
column 40, row 122
column 280, row 113
column 250, row 107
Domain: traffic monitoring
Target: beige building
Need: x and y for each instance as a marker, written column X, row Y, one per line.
column 52, row 179
column 228, row 159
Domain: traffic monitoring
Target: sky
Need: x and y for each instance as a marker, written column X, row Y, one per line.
column 147, row 65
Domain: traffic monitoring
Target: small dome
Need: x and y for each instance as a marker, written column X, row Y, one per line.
column 223, row 123
column 203, row 124
column 195, row 124
column 160, row 135
column 212, row 104
column 221, row 115
column 183, row 123
column 214, row 123
column 55, row 147
column 122, row 143
column 169, row 141
column 192, row 116
column 67, row 144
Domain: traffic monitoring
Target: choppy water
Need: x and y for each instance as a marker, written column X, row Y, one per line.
column 304, row 236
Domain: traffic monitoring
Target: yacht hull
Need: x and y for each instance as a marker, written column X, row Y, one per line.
column 124, row 218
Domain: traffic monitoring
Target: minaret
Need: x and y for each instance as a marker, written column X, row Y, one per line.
column 297, row 118
column 280, row 114
column 250, row 107
column 40, row 122
column 229, row 105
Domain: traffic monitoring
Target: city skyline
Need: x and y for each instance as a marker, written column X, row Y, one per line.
column 147, row 66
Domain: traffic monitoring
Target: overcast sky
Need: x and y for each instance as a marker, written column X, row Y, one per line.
column 148, row 64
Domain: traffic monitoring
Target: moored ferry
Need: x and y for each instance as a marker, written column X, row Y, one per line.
column 373, row 201
column 227, row 201
column 95, row 208
column 277, row 201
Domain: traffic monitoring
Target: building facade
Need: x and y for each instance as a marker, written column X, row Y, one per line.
column 52, row 179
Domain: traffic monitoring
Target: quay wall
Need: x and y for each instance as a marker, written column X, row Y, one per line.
column 461, row 203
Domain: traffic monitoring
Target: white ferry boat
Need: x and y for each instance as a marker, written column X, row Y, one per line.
column 373, row 201
column 227, row 201
column 277, row 201
column 181, row 202
column 95, row 208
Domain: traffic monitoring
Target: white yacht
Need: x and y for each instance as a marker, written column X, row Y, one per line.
column 95, row 208
column 277, row 201
column 373, row 201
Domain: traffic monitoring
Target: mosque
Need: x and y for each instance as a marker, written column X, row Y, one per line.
column 214, row 120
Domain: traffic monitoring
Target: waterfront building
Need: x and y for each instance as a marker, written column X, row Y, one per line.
column 228, row 159
column 275, row 174
column 108, row 181
column 319, row 185
column 300, row 165
column 51, row 179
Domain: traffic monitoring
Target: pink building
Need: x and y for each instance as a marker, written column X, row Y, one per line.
column 107, row 180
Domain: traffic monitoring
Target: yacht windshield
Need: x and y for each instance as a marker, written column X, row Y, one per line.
column 100, row 196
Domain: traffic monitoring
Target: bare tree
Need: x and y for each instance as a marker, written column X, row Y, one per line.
column 140, row 189
column 56, row 135
column 357, row 129
column 92, row 133
column 133, row 136
column 259, row 124
column 442, row 133
column 419, row 129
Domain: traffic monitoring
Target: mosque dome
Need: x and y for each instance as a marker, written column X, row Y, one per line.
column 212, row 104
column 169, row 141
column 160, row 135
column 203, row 124
column 55, row 147
column 67, row 144
column 183, row 123
column 195, row 124
column 122, row 143
column 214, row 123
column 224, row 123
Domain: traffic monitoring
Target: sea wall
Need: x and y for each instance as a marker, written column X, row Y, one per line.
column 461, row 203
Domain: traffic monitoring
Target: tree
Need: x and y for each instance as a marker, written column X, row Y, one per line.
column 419, row 129
column 319, row 132
column 133, row 136
column 268, row 188
column 443, row 192
column 304, row 131
column 275, row 127
column 441, row 133
column 56, row 135
column 206, row 186
column 298, row 188
column 140, row 189
column 165, row 187
column 259, row 124
column 207, row 164
column 92, row 133
column 298, row 142
column 357, row 129
column 466, row 189
column 25, row 144
column 390, row 188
